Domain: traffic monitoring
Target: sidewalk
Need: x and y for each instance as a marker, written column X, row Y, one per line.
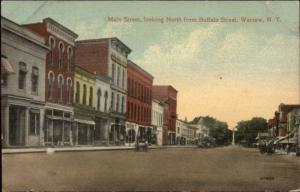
column 82, row 148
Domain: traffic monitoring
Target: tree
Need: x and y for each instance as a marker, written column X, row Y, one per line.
column 247, row 130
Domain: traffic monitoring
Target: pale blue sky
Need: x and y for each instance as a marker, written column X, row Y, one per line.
column 258, row 62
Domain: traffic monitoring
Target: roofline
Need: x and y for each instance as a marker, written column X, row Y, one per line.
column 166, row 86
column 140, row 68
column 50, row 20
column 103, row 39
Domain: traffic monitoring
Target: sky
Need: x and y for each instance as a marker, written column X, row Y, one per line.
column 232, row 71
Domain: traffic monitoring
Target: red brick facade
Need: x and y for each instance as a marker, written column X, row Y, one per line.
column 168, row 95
column 139, row 95
column 65, row 69
column 92, row 56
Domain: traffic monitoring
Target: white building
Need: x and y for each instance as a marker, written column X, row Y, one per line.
column 157, row 120
column 22, row 93
column 182, row 132
column 102, row 100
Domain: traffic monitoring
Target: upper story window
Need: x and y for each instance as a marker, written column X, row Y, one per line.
column 60, row 54
column 34, row 80
column 70, row 56
column 123, row 78
column 117, row 103
column 112, row 101
column 98, row 99
column 51, row 46
column 22, row 75
column 84, row 95
column 113, row 73
column 123, row 104
column 118, row 77
column 105, row 100
column 60, row 87
column 91, row 97
column 69, row 89
column 77, row 95
column 51, row 84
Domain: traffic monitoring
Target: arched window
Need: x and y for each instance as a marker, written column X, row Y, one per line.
column 60, row 54
column 69, row 89
column 77, row 96
column 51, row 46
column 91, row 97
column 51, row 84
column 70, row 55
column 60, row 87
column 84, row 95
column 22, row 75
column 98, row 99
column 105, row 100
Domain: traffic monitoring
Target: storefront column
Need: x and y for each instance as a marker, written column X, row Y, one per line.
column 26, row 126
column 77, row 133
column 5, row 120
column 42, row 118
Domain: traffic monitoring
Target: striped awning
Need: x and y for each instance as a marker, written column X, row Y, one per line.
column 6, row 67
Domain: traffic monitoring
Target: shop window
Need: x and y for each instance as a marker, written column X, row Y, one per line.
column 34, row 123
column 35, row 80
column 22, row 75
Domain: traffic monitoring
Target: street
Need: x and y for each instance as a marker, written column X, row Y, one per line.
column 219, row 169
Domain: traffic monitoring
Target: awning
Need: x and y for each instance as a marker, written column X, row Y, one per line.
column 85, row 121
column 58, row 118
column 6, row 67
column 290, row 140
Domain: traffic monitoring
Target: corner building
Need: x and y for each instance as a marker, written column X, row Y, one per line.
column 167, row 95
column 139, row 101
column 108, row 57
column 58, row 81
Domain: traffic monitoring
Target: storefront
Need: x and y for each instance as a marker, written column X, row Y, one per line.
column 84, row 127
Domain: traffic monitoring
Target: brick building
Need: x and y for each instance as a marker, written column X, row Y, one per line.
column 167, row 95
column 59, row 79
column 108, row 57
column 139, row 102
column 283, row 110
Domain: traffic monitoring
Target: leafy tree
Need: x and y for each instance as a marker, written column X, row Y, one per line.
column 247, row 130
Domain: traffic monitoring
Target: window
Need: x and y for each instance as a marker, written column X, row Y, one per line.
column 98, row 99
column 60, row 55
column 105, row 100
column 51, row 46
column 22, row 75
column 69, row 90
column 122, row 105
column 4, row 80
column 117, row 103
column 91, row 97
column 60, row 87
column 118, row 77
column 84, row 95
column 112, row 101
column 113, row 72
column 70, row 55
column 34, row 128
column 34, row 79
column 123, row 79
column 51, row 84
column 77, row 96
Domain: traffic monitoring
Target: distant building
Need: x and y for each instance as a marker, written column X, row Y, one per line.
column 108, row 57
column 182, row 132
column 201, row 129
column 58, row 80
column 283, row 110
column 139, row 102
column 167, row 95
column 23, row 62
column 157, row 119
